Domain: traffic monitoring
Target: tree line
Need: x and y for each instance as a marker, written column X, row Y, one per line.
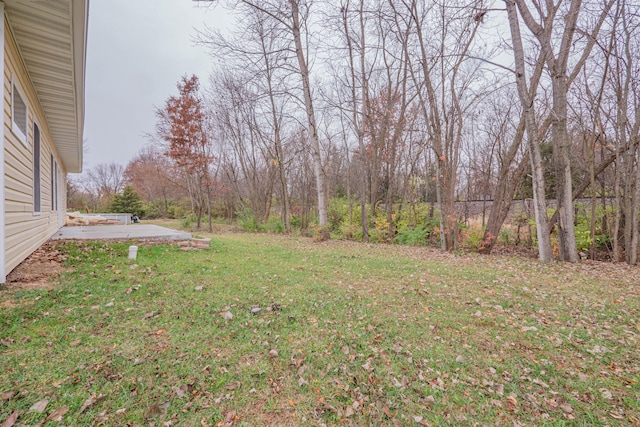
column 387, row 107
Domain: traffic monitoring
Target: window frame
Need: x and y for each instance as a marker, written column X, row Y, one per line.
column 54, row 184
column 15, row 126
column 37, row 169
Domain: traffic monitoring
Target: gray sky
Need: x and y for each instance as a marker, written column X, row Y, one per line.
column 137, row 51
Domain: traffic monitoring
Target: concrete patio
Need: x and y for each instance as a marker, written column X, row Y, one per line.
column 133, row 231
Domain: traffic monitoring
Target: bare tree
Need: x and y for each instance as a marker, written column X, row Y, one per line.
column 557, row 63
column 155, row 177
column 292, row 16
column 531, row 127
column 264, row 55
column 104, row 180
column 249, row 166
column 442, row 89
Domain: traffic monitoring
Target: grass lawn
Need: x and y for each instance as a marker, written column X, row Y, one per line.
column 270, row 330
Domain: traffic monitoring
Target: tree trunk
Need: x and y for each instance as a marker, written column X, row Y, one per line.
column 561, row 150
column 312, row 130
column 503, row 196
column 540, row 209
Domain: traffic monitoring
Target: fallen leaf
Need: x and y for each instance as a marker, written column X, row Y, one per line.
column 566, row 408
column 227, row 315
column 39, row 407
column 56, row 415
column 460, row 358
column 7, row 395
column 606, row 394
column 233, row 386
column 367, row 366
column 273, row 353
column 11, row 420
column 152, row 411
column 92, row 400
column 230, row 416
column 179, row 392
column 387, row 412
column 512, row 403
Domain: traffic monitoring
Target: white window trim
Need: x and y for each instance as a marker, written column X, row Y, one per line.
column 15, row 86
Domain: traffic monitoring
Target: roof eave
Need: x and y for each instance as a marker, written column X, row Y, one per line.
column 80, row 18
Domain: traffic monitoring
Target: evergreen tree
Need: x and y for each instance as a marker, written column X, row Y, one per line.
column 127, row 202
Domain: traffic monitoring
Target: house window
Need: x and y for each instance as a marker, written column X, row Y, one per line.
column 54, row 184
column 18, row 114
column 36, row 169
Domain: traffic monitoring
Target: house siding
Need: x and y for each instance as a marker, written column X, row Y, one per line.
column 25, row 230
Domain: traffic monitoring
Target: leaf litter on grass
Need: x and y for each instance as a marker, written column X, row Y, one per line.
column 363, row 334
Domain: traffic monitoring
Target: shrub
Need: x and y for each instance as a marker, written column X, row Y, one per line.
column 506, row 236
column 187, row 221
column 295, row 221
column 350, row 231
column 248, row 220
column 276, row 226
column 337, row 212
column 175, row 211
column 412, row 236
column 472, row 237
column 583, row 236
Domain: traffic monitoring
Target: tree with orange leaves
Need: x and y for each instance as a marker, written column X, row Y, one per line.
column 182, row 126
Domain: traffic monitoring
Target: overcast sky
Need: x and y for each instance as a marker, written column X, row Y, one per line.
column 137, row 51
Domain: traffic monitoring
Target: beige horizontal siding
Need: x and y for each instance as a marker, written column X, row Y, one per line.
column 25, row 230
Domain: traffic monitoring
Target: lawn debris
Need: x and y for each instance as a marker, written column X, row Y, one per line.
column 9, row 422
column 92, row 400
column 39, row 407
